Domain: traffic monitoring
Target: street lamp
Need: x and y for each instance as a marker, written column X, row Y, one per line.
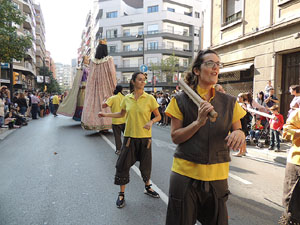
column 143, row 37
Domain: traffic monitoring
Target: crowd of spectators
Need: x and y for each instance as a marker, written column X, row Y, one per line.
column 24, row 106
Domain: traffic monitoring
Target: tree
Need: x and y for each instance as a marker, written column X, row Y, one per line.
column 53, row 86
column 166, row 68
column 12, row 45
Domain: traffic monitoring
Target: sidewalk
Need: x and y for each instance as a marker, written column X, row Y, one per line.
column 265, row 154
column 4, row 132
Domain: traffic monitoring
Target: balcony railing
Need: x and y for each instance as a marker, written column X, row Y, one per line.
column 160, row 47
column 234, row 17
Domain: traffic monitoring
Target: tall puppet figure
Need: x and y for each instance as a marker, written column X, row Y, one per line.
column 72, row 105
column 100, row 84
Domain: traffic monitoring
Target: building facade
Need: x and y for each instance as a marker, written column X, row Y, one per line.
column 145, row 32
column 26, row 70
column 64, row 76
column 258, row 41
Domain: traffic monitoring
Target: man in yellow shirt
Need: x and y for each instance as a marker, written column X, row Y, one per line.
column 55, row 102
column 118, row 124
column 198, row 182
column 291, row 188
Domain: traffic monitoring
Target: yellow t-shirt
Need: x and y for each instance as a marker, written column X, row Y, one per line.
column 114, row 103
column 138, row 114
column 55, row 100
column 205, row 172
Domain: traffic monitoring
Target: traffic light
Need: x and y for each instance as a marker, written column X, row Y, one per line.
column 15, row 77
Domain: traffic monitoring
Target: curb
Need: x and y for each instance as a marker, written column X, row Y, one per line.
column 265, row 154
column 5, row 134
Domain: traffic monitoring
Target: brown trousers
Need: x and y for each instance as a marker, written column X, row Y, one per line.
column 118, row 129
column 191, row 200
column 291, row 194
column 134, row 149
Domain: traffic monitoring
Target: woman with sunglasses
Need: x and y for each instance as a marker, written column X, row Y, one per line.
column 198, row 182
column 137, row 106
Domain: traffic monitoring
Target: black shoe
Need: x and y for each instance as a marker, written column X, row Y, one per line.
column 271, row 148
column 149, row 191
column 120, row 202
column 277, row 149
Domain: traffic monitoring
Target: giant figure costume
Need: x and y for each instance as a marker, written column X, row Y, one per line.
column 101, row 83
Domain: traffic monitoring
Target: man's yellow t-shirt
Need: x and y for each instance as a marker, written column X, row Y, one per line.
column 205, row 172
column 138, row 114
column 55, row 100
column 114, row 103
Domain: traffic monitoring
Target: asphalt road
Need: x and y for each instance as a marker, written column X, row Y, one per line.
column 54, row 173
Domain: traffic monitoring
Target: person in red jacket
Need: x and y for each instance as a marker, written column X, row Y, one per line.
column 276, row 125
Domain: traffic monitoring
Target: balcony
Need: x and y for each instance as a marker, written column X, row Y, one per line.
column 168, row 34
column 166, row 50
column 128, row 68
column 28, row 24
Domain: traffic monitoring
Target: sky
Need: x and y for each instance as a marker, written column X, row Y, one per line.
column 64, row 23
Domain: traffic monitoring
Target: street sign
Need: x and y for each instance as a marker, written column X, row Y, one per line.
column 4, row 65
column 143, row 68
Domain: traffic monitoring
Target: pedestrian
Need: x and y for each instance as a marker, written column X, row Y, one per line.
column 118, row 124
column 22, row 103
column 270, row 99
column 198, row 182
column 295, row 104
column 34, row 105
column 276, row 125
column 138, row 107
column 55, row 102
column 291, row 188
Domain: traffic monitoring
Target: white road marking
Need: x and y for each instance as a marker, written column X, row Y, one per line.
column 162, row 195
column 239, row 179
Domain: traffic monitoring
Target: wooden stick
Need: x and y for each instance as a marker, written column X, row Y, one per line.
column 260, row 113
column 196, row 99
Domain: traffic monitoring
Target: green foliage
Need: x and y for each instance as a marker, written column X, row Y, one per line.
column 12, row 46
column 167, row 67
column 53, row 86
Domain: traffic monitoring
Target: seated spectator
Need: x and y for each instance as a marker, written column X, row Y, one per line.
column 295, row 103
column 256, row 130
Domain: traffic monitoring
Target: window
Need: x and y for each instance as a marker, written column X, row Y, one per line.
column 141, row 31
column 140, row 61
column 126, row 32
column 152, row 45
column 185, row 32
column 171, row 9
column 126, row 62
column 170, row 45
column 185, row 62
column 111, row 33
column 126, row 48
column 185, row 47
column 232, row 11
column 188, row 13
column 197, row 14
column 170, row 29
column 140, row 48
column 152, row 9
column 112, row 14
column 112, row 48
column 153, row 29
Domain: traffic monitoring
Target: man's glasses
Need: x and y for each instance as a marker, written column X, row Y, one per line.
column 212, row 64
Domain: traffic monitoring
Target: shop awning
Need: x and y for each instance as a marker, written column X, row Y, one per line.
column 241, row 67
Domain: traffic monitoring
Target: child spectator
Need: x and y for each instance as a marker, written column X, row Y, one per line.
column 256, row 130
column 276, row 125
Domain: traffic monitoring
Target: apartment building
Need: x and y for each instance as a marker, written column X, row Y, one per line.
column 258, row 40
column 64, row 76
column 86, row 36
column 27, row 69
column 49, row 62
column 145, row 32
